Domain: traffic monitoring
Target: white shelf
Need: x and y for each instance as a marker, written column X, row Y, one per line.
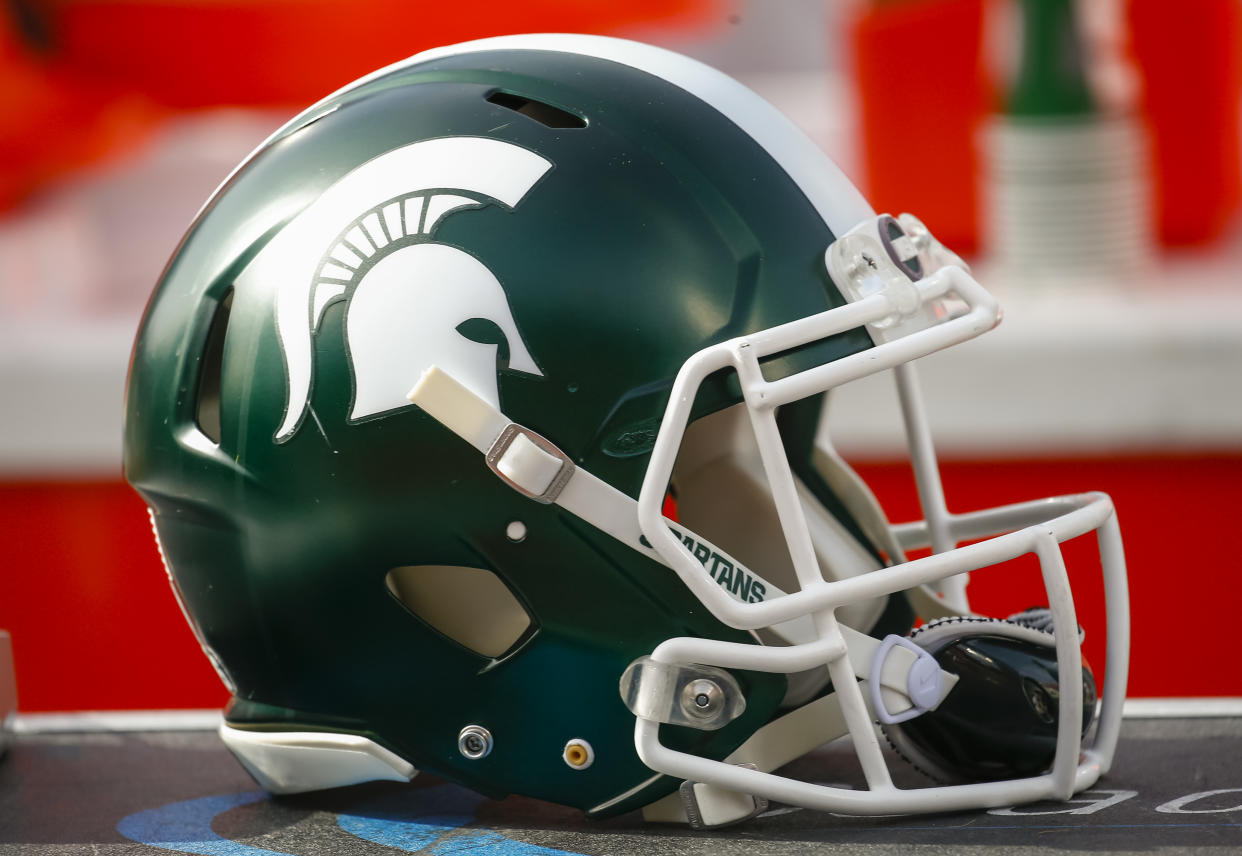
column 64, row 384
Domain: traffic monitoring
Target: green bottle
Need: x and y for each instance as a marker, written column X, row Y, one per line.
column 1051, row 79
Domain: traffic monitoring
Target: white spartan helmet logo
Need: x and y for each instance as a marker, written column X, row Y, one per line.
column 406, row 298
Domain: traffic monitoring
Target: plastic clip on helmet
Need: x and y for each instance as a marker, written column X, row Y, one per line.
column 478, row 416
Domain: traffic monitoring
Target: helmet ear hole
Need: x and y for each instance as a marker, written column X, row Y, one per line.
column 471, row 606
column 211, row 368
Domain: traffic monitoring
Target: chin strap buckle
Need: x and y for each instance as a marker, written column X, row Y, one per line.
column 711, row 807
column 530, row 463
column 924, row 687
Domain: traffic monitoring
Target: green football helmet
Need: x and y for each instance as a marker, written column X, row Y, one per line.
column 478, row 415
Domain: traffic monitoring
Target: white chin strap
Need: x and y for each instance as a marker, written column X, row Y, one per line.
column 531, row 465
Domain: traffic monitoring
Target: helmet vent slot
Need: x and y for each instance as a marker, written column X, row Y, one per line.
column 471, row 606
column 211, row 366
column 544, row 114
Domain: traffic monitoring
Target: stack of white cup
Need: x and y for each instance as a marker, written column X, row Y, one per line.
column 1067, row 198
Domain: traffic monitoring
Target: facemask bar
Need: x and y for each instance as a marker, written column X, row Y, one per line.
column 951, row 591
column 907, row 319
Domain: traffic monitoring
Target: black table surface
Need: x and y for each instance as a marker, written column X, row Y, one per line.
column 1175, row 788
